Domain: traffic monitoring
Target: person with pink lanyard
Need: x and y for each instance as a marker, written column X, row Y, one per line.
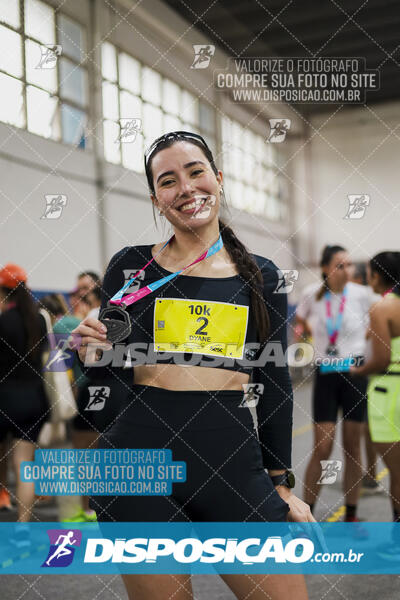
column 198, row 307
column 336, row 314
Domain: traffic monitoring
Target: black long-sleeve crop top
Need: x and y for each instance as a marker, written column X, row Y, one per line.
column 206, row 321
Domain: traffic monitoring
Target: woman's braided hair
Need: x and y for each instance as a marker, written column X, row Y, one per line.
column 240, row 256
column 250, row 272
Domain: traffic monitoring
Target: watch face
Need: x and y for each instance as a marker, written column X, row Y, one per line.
column 291, row 479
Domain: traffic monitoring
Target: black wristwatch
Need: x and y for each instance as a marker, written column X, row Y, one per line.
column 287, row 479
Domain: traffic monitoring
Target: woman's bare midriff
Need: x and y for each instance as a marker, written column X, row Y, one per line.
column 176, row 377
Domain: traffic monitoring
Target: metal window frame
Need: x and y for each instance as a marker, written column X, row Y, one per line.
column 83, row 64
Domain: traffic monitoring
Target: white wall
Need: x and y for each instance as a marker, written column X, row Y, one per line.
column 107, row 206
column 357, row 152
column 53, row 251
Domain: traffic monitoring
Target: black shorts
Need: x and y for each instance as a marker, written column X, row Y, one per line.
column 99, row 404
column 23, row 409
column 225, row 477
column 339, row 390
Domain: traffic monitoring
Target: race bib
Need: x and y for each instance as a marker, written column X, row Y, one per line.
column 200, row 326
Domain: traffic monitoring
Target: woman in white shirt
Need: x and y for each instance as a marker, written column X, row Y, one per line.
column 336, row 314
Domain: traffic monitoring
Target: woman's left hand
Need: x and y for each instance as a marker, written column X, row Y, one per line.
column 299, row 511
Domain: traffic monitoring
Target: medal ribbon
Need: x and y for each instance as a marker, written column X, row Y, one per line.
column 141, row 293
column 389, row 291
column 333, row 329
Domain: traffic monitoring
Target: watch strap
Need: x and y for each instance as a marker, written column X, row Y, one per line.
column 287, row 479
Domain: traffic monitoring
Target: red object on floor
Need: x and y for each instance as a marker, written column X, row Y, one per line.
column 5, row 502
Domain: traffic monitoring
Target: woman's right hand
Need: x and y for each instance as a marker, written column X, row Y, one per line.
column 93, row 338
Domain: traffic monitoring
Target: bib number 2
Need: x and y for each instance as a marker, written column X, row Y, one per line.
column 198, row 309
column 209, row 328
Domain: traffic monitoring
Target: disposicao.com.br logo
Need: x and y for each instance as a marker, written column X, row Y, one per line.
column 201, row 548
column 190, row 550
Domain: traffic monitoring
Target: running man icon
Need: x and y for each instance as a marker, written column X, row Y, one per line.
column 202, row 56
column 62, row 549
column 98, row 396
column 59, row 553
column 279, row 129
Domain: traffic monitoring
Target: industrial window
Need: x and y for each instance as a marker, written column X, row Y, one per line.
column 253, row 180
column 42, row 72
column 139, row 105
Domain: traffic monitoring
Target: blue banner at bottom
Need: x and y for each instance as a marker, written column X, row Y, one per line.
column 150, row 548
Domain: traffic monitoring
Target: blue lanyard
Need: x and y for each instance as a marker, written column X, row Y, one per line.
column 334, row 328
column 141, row 293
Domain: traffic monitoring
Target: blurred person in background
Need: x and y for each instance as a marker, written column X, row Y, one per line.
column 100, row 400
column 94, row 300
column 87, row 281
column 83, row 435
column 23, row 400
column 77, row 307
column 5, row 500
column 369, row 482
column 62, row 323
column 383, row 367
column 336, row 313
column 359, row 273
column 56, row 306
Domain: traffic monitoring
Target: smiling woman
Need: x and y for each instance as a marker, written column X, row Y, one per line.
column 214, row 311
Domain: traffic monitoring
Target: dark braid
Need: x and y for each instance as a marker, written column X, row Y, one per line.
column 250, row 272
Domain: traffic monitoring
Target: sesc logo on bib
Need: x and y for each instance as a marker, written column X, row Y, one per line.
column 205, row 327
